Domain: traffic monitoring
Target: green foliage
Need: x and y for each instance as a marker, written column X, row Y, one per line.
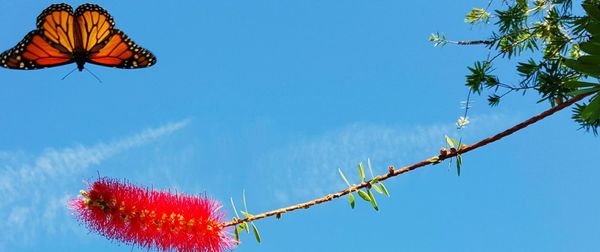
column 455, row 145
column 244, row 225
column 481, row 77
column 438, row 39
column 558, row 46
column 374, row 183
column 477, row 15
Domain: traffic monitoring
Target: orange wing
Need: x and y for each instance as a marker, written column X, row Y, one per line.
column 57, row 24
column 94, row 26
column 122, row 52
column 105, row 45
column 50, row 45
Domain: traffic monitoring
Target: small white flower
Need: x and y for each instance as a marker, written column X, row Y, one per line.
column 462, row 122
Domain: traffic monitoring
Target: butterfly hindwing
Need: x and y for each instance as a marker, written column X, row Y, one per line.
column 121, row 52
column 34, row 52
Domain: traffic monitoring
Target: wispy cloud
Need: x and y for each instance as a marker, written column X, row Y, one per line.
column 33, row 189
column 308, row 167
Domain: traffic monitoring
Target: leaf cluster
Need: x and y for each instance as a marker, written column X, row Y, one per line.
column 554, row 50
column 367, row 194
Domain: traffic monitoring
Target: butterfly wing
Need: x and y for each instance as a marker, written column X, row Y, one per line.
column 105, row 45
column 57, row 25
column 122, row 52
column 94, row 26
column 50, row 45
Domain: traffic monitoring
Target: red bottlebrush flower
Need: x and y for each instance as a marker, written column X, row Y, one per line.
column 152, row 219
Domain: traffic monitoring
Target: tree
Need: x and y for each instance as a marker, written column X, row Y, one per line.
column 553, row 48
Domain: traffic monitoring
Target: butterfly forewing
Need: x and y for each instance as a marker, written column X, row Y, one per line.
column 95, row 26
column 57, row 24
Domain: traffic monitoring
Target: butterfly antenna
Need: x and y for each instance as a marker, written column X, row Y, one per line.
column 63, row 78
column 95, row 76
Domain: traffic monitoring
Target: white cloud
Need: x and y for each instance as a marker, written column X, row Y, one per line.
column 307, row 168
column 33, row 189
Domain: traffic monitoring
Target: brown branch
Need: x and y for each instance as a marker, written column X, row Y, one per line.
column 471, row 42
column 444, row 154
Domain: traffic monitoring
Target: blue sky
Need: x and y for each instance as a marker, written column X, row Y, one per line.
column 272, row 97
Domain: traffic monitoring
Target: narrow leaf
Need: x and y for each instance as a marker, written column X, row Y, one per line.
column 592, row 10
column 384, row 189
column 256, row 234
column 364, row 195
column 590, row 48
column 351, row 198
column 377, row 189
column 244, row 200
column 237, row 235
column 587, row 69
column 592, row 111
column 584, row 91
column 374, row 180
column 361, row 172
column 580, row 84
column 244, row 226
column 449, row 142
column 234, row 209
column 458, row 163
column 370, row 169
column 344, row 177
column 372, row 199
column 246, row 214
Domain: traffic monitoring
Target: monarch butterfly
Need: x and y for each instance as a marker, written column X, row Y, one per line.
column 86, row 35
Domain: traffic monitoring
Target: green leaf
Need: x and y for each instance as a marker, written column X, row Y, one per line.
column 361, row 172
column 477, row 14
column 584, row 91
column 246, row 214
column 244, row 200
column 234, row 209
column 372, row 200
column 351, row 198
column 449, row 141
column 344, row 177
column 377, row 189
column 244, row 226
column 458, row 163
column 374, row 180
column 493, row 100
column 384, row 189
column 256, row 234
column 364, row 195
column 592, row 111
column 590, row 48
column 370, row 169
column 580, row 84
column 434, row 160
column 592, row 10
column 587, row 69
column 452, row 143
column 237, row 234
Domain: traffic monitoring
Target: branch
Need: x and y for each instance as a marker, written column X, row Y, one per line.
column 393, row 172
column 471, row 42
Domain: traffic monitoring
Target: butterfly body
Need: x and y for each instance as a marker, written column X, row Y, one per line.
column 84, row 36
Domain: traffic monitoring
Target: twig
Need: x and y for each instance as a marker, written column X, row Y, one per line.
column 471, row 42
column 395, row 172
